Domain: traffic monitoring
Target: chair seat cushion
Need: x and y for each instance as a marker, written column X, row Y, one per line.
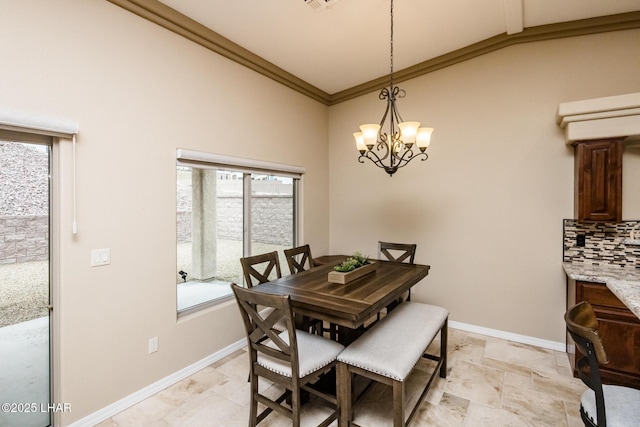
column 314, row 353
column 394, row 345
column 622, row 405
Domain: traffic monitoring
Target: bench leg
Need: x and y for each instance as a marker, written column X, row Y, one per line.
column 398, row 404
column 344, row 378
column 443, row 348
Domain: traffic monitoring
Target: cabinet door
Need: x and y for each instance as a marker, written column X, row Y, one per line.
column 620, row 330
column 599, row 180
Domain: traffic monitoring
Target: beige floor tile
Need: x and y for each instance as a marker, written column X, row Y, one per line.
column 486, row 416
column 437, row 416
column 490, row 382
column 476, row 383
column 538, row 408
column 540, row 359
column 149, row 411
column 567, row 388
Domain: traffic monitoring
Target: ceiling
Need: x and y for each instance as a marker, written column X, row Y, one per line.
column 346, row 42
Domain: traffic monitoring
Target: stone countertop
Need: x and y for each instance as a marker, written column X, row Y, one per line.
column 623, row 282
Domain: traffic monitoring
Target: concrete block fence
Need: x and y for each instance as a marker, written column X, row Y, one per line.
column 272, row 217
column 24, row 238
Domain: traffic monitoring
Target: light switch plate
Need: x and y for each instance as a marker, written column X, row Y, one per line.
column 100, row 257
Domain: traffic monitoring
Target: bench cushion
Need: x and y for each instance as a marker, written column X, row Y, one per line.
column 394, row 345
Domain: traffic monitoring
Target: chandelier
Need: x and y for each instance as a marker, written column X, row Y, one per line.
column 393, row 149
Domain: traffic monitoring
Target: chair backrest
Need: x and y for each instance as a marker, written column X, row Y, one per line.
column 259, row 324
column 296, row 266
column 582, row 326
column 398, row 252
column 258, row 268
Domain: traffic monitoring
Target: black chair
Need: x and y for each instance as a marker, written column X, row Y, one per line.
column 293, row 359
column 600, row 405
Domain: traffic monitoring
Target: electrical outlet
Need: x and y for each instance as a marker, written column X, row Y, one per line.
column 153, row 345
column 581, row 240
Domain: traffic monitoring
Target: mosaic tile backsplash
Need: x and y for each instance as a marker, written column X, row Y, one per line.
column 616, row 243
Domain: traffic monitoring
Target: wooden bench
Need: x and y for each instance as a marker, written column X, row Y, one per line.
column 389, row 351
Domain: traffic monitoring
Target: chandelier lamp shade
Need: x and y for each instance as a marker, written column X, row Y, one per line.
column 392, row 149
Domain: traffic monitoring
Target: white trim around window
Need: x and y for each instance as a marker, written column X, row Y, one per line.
column 236, row 164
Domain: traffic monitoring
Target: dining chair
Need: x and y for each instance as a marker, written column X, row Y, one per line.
column 397, row 252
column 601, row 405
column 292, row 359
column 258, row 268
column 300, row 259
column 304, row 262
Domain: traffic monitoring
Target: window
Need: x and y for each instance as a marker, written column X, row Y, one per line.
column 227, row 209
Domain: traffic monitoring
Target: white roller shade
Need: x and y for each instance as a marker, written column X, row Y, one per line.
column 236, row 164
column 41, row 125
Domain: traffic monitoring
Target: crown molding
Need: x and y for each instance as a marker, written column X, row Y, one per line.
column 172, row 20
column 175, row 21
column 624, row 21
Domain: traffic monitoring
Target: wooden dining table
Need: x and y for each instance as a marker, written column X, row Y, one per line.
column 349, row 305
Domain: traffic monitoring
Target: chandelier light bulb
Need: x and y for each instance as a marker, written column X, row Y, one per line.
column 370, row 134
column 360, row 142
column 408, row 131
column 423, row 138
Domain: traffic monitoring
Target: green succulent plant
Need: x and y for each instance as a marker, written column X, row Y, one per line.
column 351, row 263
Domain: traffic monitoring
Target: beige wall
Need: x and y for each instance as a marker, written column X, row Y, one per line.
column 486, row 209
column 139, row 92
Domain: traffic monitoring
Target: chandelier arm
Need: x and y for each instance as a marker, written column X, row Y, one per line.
column 373, row 157
column 380, row 145
column 407, row 153
column 406, row 161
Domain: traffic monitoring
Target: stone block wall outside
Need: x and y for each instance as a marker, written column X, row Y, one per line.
column 24, row 238
column 272, row 218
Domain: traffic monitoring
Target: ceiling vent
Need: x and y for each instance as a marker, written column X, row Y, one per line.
column 320, row 4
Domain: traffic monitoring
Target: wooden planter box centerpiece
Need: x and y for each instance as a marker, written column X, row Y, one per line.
column 358, row 265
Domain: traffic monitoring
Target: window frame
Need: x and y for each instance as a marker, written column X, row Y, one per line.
column 204, row 160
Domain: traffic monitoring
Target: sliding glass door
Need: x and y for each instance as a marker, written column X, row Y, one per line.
column 24, row 283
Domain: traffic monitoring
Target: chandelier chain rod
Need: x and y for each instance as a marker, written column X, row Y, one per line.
column 391, row 50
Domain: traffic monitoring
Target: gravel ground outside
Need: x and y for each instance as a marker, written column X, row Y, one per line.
column 24, row 287
column 24, row 292
column 229, row 254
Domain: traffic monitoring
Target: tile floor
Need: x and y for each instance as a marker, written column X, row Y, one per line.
column 490, row 382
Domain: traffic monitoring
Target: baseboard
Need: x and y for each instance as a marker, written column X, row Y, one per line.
column 142, row 394
column 522, row 339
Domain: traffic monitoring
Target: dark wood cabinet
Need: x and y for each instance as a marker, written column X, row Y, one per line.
column 598, row 180
column 620, row 330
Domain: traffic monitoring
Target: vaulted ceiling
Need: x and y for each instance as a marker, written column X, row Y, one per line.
column 330, row 47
